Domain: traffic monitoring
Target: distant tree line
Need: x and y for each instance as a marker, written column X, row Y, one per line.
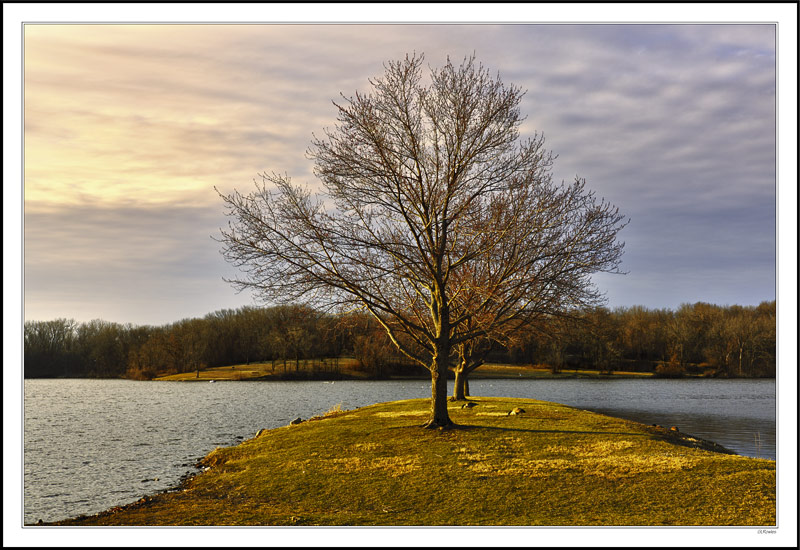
column 281, row 335
column 731, row 341
column 700, row 338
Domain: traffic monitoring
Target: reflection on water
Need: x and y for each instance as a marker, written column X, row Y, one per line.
column 93, row 444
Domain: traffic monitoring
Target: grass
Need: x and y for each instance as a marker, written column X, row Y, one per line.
column 499, row 370
column 348, row 369
column 551, row 465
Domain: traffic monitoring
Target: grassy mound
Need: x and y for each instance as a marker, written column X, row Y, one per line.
column 547, row 465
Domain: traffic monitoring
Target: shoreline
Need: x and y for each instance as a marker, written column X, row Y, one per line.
column 673, row 437
column 256, row 372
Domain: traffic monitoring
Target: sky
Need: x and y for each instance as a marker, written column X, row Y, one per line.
column 128, row 130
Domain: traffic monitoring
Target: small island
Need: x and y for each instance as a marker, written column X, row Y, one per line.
column 503, row 462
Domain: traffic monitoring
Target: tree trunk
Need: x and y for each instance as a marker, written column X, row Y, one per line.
column 460, row 391
column 740, row 360
column 439, row 416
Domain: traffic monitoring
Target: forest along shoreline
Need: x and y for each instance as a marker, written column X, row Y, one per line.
column 375, row 465
column 700, row 339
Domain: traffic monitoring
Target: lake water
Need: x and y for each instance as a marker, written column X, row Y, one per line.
column 93, row 444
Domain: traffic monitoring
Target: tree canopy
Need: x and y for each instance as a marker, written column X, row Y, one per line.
column 436, row 218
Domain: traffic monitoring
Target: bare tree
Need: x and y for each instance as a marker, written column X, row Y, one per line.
column 471, row 354
column 426, row 185
column 545, row 241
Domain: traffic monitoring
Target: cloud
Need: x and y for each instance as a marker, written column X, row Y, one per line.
column 128, row 263
column 129, row 128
